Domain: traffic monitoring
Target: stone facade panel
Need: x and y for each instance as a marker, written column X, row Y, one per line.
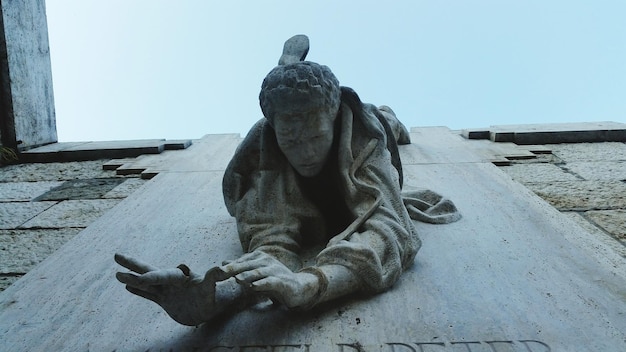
column 24, row 191
column 582, row 195
column 71, row 213
column 613, row 221
column 15, row 214
column 538, row 172
column 577, row 152
column 29, row 248
column 599, row 170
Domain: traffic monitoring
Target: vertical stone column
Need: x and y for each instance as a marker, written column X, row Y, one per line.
column 27, row 117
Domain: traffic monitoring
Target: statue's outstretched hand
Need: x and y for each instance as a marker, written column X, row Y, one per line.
column 187, row 297
column 266, row 275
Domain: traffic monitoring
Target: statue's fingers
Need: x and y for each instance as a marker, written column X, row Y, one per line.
column 216, row 274
column 133, row 264
column 250, row 276
column 270, row 284
column 162, row 277
column 127, row 278
column 246, row 257
column 252, row 261
column 236, row 268
column 271, row 287
column 143, row 293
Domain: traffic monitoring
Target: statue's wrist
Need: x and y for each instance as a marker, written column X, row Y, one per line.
column 320, row 287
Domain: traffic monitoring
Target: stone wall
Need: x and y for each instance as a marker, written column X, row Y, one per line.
column 586, row 182
column 26, row 95
column 42, row 206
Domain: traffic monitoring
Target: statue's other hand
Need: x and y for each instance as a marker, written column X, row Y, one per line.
column 264, row 274
column 187, row 297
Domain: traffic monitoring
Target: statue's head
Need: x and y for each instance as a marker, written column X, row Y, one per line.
column 301, row 102
column 302, row 86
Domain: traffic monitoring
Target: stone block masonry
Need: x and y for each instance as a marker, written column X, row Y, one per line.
column 42, row 206
column 586, row 180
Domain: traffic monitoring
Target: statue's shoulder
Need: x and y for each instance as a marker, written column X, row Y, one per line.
column 258, row 151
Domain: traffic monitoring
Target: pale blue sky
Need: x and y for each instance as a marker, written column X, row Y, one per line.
column 134, row 69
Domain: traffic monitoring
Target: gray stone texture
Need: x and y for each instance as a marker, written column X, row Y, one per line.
column 595, row 188
column 26, row 75
column 8, row 280
column 552, row 133
column 608, row 245
column 582, row 195
column 599, row 170
column 32, row 228
column 24, row 191
column 71, row 213
column 54, row 171
column 94, row 188
column 125, row 189
column 29, row 248
column 579, row 152
column 83, row 151
column 613, row 221
column 14, row 214
column 538, row 172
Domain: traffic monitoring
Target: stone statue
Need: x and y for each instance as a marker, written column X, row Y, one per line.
column 315, row 188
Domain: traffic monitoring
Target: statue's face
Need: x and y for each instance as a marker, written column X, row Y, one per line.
column 306, row 139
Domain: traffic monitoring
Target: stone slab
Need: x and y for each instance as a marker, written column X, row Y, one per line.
column 126, row 188
column 54, row 147
column 71, row 213
column 14, row 214
column 115, row 163
column 600, row 170
column 29, row 248
column 81, row 151
column 508, row 277
column 148, row 166
column 55, row 171
column 95, row 150
column 436, row 145
column 25, row 191
column 580, row 152
column 8, row 280
column 541, row 172
column 155, row 163
column 441, row 145
column 552, row 133
column 210, row 153
column 582, row 195
column 612, row 221
column 25, row 70
column 177, row 144
column 93, row 188
column 611, row 247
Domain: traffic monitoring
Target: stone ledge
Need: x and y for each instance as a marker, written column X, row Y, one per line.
column 83, row 151
column 551, row 133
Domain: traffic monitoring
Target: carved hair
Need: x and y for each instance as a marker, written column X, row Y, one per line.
column 299, row 87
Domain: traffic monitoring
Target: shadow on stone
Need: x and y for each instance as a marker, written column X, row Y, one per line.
column 94, row 188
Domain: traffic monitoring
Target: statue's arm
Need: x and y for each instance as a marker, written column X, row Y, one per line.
column 385, row 244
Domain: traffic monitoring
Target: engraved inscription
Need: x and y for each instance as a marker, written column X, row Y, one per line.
column 262, row 348
column 452, row 346
column 471, row 346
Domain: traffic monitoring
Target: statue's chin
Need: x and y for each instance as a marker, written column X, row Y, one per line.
column 309, row 170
